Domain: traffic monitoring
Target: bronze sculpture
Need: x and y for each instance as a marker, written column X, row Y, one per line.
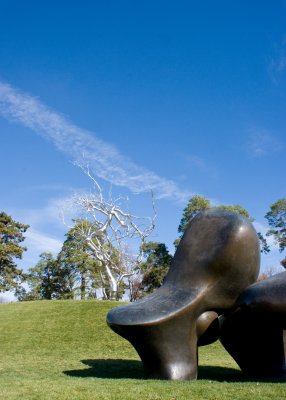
column 254, row 333
column 217, row 258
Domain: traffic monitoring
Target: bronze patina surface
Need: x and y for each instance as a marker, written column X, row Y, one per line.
column 255, row 332
column 217, row 258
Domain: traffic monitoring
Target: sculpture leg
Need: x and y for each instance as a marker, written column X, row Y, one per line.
column 256, row 342
column 168, row 350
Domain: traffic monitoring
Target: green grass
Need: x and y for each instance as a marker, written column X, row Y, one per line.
column 63, row 350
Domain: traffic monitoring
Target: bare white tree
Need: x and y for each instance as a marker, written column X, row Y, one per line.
column 108, row 236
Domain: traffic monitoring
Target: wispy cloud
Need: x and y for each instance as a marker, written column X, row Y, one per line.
column 42, row 217
column 103, row 158
column 277, row 64
column 262, row 143
column 45, row 233
column 201, row 165
column 41, row 242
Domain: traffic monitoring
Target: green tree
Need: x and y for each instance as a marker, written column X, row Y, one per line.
column 156, row 266
column 76, row 262
column 195, row 205
column 236, row 208
column 11, row 235
column 201, row 203
column 43, row 280
column 276, row 218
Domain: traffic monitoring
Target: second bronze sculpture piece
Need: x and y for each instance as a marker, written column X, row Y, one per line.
column 217, row 258
column 254, row 333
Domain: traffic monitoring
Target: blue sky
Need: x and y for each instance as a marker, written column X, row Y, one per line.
column 182, row 97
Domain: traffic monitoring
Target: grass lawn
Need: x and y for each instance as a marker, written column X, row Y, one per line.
column 64, row 350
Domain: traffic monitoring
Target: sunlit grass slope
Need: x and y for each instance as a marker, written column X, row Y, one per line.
column 64, row 350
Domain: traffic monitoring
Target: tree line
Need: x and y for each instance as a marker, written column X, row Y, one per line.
column 91, row 264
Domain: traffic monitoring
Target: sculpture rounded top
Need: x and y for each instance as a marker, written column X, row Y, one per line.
column 217, row 244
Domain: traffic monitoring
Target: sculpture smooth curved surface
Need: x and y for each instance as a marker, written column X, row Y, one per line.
column 217, row 258
column 254, row 334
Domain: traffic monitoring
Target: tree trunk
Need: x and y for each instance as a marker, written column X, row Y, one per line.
column 113, row 285
column 48, row 286
column 83, row 285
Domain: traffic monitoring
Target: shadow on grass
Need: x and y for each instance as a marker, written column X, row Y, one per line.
column 223, row 374
column 116, row 369
column 132, row 369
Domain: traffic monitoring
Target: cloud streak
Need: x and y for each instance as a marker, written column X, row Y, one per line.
column 41, row 242
column 201, row 165
column 277, row 64
column 104, row 159
column 262, row 143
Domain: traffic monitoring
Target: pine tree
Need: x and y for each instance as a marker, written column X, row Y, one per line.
column 11, row 235
column 43, row 280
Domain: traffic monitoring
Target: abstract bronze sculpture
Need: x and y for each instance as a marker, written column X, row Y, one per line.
column 217, row 258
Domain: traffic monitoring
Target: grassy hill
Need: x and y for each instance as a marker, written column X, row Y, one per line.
column 63, row 350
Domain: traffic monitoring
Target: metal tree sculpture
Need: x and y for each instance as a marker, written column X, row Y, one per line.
column 109, row 234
